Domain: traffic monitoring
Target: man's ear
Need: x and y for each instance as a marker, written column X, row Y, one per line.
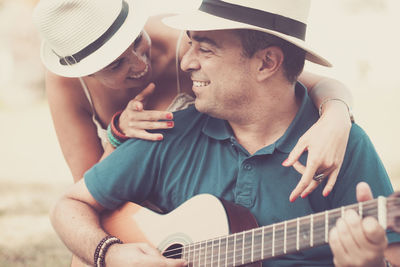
column 269, row 61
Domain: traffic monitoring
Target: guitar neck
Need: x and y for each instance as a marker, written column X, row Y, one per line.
column 278, row 239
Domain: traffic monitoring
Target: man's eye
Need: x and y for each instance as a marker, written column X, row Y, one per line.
column 204, row 50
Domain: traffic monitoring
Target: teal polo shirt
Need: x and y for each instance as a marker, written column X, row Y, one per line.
column 201, row 155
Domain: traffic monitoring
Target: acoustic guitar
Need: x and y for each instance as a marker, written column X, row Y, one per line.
column 207, row 231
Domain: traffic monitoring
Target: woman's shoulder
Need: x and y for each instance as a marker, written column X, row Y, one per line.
column 65, row 92
column 162, row 37
column 164, row 40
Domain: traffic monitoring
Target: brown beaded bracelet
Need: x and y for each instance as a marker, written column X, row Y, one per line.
column 101, row 249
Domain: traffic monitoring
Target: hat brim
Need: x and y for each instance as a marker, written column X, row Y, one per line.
column 107, row 53
column 201, row 21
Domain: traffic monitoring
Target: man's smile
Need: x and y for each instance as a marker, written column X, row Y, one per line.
column 200, row 83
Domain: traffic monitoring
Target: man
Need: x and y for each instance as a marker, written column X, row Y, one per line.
column 249, row 114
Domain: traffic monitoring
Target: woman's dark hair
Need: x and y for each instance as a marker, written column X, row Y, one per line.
column 294, row 57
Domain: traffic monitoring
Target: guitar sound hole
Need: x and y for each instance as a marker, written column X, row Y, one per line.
column 174, row 251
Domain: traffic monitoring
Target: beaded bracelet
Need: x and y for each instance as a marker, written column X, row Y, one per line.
column 97, row 251
column 340, row 100
column 101, row 249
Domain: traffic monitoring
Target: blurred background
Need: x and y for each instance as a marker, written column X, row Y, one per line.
column 360, row 37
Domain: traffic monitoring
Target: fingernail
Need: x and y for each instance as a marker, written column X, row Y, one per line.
column 169, row 116
column 304, row 195
column 327, row 193
column 159, row 138
column 292, row 200
column 285, row 162
column 170, row 124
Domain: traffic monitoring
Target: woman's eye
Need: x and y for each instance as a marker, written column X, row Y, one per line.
column 116, row 65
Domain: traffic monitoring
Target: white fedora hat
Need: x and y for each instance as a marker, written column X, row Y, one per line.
column 81, row 37
column 286, row 19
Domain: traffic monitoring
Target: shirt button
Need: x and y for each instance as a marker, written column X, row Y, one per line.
column 247, row 167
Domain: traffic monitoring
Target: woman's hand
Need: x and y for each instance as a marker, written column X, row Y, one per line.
column 326, row 143
column 134, row 120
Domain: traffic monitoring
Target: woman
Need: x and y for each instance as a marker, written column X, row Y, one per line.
column 100, row 69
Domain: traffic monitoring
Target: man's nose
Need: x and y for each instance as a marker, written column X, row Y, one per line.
column 189, row 61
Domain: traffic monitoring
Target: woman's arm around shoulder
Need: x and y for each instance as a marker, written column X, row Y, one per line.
column 326, row 140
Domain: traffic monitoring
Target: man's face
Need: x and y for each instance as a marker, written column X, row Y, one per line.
column 219, row 71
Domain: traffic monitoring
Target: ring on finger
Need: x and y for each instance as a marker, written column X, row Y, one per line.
column 319, row 178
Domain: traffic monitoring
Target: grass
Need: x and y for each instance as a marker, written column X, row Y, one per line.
column 27, row 238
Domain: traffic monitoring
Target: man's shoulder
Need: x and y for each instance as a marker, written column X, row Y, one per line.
column 359, row 143
column 187, row 114
column 357, row 134
column 186, row 121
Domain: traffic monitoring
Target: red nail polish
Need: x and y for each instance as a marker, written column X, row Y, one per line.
column 304, row 195
column 159, row 138
column 169, row 116
column 327, row 193
column 170, row 124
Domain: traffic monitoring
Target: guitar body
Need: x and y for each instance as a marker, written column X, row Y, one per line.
column 203, row 217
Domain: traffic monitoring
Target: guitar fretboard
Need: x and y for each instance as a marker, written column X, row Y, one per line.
column 276, row 239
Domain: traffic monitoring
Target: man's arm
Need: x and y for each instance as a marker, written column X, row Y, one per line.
column 76, row 219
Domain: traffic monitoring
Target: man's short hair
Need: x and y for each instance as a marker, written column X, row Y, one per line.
column 294, row 57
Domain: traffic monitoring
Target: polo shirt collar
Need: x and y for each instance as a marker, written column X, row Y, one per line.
column 306, row 116
column 217, row 128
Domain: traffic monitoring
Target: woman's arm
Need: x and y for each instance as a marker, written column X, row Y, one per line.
column 73, row 123
column 76, row 132
column 326, row 140
column 321, row 88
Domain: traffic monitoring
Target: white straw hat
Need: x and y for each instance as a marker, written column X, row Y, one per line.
column 286, row 19
column 81, row 37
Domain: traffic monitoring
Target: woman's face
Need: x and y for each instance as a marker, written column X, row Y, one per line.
column 131, row 69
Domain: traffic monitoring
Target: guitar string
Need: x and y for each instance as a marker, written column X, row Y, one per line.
column 316, row 230
column 252, row 249
column 256, row 250
column 256, row 254
column 249, row 250
column 318, row 233
column 293, row 221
